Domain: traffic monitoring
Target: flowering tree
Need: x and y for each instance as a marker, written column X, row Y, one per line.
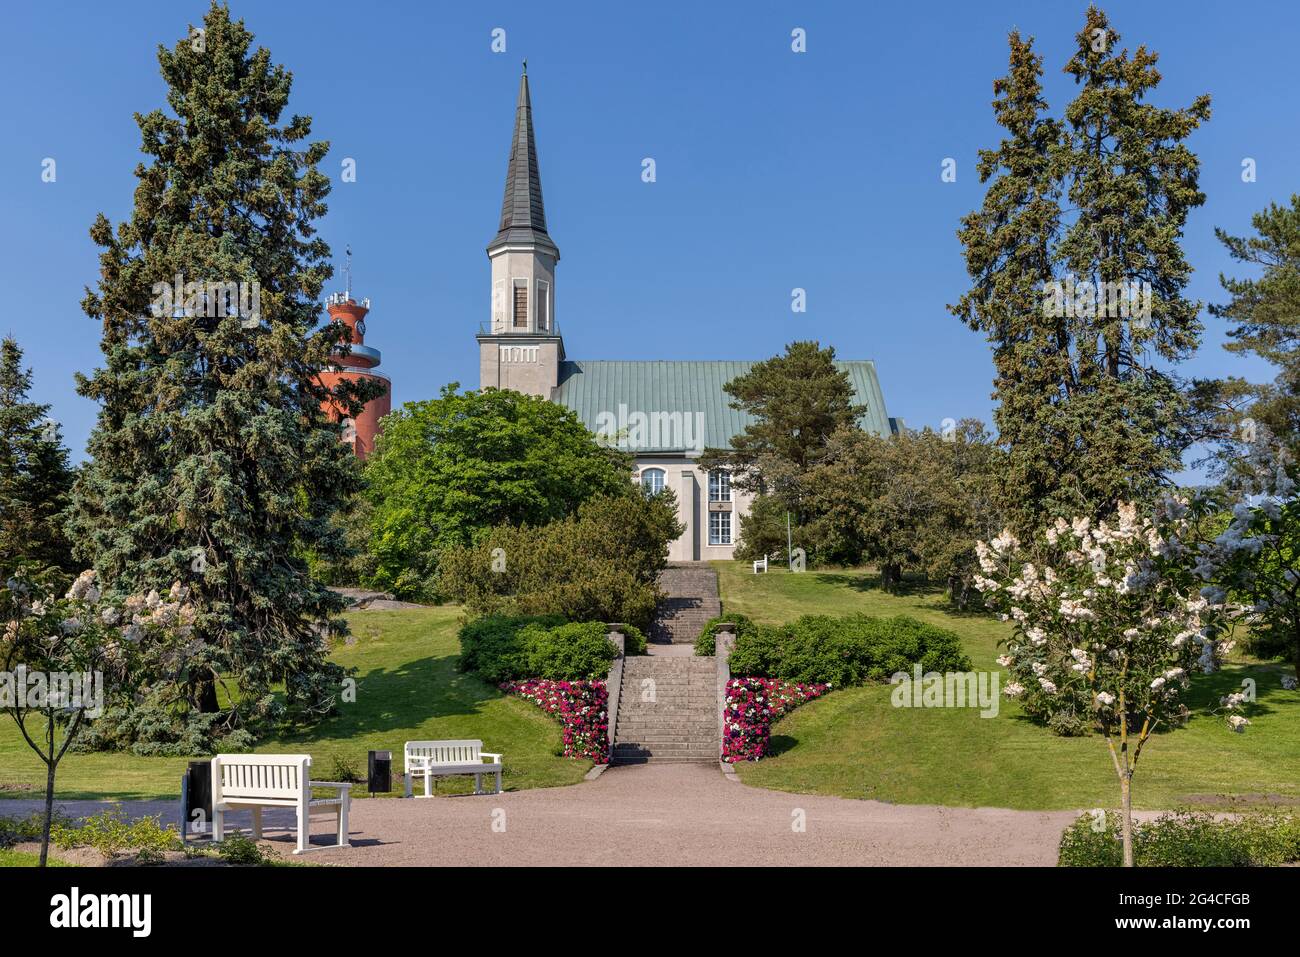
column 1258, row 555
column 1113, row 617
column 61, row 658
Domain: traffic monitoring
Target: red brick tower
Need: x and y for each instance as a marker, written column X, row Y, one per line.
column 361, row 363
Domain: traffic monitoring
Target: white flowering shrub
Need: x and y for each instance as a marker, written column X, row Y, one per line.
column 1110, row 618
column 1257, row 556
column 81, row 633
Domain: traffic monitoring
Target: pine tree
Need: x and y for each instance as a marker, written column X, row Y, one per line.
column 34, row 475
column 1083, row 213
column 212, row 461
column 1266, row 317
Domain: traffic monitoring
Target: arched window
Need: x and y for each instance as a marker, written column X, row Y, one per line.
column 652, row 481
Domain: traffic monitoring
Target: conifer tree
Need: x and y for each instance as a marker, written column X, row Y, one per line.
column 1079, row 278
column 34, row 475
column 212, row 460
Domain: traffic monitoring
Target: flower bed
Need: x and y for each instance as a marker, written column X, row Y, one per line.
column 579, row 706
column 752, row 705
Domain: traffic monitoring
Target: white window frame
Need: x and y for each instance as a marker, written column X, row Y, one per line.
column 521, row 282
column 718, row 495
column 663, row 476
column 723, row 520
column 543, row 310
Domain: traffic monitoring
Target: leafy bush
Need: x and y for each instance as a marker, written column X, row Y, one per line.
column 241, row 850
column 1184, row 839
column 600, row 565
column 109, row 832
column 500, row 648
column 704, row 645
column 634, row 640
column 846, row 651
column 573, row 651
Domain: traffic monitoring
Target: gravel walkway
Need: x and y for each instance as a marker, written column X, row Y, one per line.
column 662, row 815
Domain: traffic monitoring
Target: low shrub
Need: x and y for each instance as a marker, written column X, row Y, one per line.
column 704, row 645
column 499, row 648
column 1184, row 839
column 239, row 849
column 635, row 640
column 109, row 832
column 846, row 651
column 753, row 704
column 581, row 707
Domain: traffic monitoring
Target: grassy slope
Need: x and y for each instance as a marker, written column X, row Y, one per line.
column 407, row 688
column 854, row 743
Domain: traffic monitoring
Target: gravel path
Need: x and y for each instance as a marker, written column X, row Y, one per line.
column 663, row 815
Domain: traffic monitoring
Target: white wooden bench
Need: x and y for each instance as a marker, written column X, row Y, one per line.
column 431, row 759
column 254, row 781
column 760, row 565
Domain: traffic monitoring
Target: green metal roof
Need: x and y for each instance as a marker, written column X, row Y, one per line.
column 605, row 391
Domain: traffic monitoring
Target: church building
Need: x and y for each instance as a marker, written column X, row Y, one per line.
column 663, row 412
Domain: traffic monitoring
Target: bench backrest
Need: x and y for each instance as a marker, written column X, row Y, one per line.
column 444, row 752
column 260, row 776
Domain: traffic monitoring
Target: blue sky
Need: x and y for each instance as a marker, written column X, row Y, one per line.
column 775, row 170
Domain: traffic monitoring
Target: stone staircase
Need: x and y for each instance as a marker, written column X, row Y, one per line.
column 667, row 711
column 690, row 599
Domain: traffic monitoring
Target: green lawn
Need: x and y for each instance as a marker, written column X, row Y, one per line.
column 855, row 744
column 407, row 689
column 11, row 858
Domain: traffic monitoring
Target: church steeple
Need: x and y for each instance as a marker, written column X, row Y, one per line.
column 521, row 348
column 523, row 214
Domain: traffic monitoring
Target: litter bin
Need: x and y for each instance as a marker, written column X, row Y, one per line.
column 379, row 777
column 196, row 796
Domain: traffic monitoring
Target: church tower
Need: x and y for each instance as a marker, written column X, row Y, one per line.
column 520, row 347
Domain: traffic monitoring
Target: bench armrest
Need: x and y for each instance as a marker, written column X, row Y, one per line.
column 496, row 758
column 340, row 785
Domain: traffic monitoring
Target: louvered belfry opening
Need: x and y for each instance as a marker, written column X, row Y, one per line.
column 521, row 306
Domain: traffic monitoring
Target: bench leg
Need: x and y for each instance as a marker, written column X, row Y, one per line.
column 478, row 784
column 428, row 784
column 343, row 823
column 218, row 825
column 407, row 775
column 257, row 823
column 498, row 773
column 303, row 829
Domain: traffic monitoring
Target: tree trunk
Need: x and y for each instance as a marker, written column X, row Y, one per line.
column 1126, row 823
column 205, row 696
column 50, row 766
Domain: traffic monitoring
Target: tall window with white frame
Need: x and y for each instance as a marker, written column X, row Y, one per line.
column 521, row 304
column 719, row 528
column 719, row 485
column 652, row 481
column 543, row 306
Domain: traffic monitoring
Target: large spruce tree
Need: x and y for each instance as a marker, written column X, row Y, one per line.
column 34, row 476
column 1088, row 406
column 211, row 461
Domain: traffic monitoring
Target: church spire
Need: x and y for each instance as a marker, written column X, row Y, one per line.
column 523, row 217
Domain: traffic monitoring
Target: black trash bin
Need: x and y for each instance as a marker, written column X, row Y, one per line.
column 198, row 797
column 379, row 778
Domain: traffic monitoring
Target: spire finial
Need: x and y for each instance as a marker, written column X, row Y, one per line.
column 348, row 291
column 525, row 66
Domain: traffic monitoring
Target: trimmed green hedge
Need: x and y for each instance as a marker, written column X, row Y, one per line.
column 846, row 651
column 501, row 648
column 704, row 645
column 1185, row 839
